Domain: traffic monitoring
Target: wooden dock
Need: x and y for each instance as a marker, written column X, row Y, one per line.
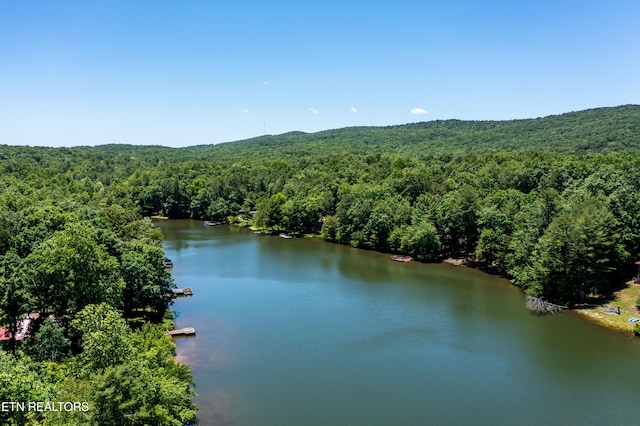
column 187, row 291
column 399, row 258
column 188, row 331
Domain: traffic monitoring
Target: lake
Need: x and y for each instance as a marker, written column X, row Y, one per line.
column 303, row 332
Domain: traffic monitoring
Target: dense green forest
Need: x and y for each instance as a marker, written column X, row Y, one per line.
column 92, row 279
column 553, row 203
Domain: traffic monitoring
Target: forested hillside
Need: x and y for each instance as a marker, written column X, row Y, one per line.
column 82, row 306
column 600, row 130
column 553, row 203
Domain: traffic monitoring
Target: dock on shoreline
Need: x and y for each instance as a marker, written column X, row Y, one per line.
column 187, row 291
column 188, row 331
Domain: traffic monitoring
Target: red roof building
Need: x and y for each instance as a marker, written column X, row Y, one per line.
column 22, row 329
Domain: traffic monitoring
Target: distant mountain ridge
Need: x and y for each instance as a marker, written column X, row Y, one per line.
column 598, row 130
column 591, row 131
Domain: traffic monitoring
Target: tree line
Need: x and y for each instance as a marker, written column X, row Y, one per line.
column 561, row 227
column 552, row 203
column 91, row 276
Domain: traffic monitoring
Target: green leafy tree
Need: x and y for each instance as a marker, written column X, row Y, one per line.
column 457, row 220
column 420, row 241
column 270, row 212
column 9, row 228
column 303, row 212
column 200, row 203
column 145, row 386
column 50, row 343
column 146, row 279
column 387, row 213
column 14, row 297
column 71, row 270
column 105, row 337
column 123, row 222
column 22, row 380
column 495, row 235
column 220, row 209
column 330, row 228
column 578, row 254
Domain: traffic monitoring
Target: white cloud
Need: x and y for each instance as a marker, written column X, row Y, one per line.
column 245, row 110
column 353, row 109
column 313, row 110
column 266, row 83
column 418, row 111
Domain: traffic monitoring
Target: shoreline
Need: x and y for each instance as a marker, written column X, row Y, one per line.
column 625, row 298
column 455, row 261
column 599, row 319
column 596, row 311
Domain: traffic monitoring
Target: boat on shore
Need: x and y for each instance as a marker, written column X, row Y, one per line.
column 285, row 236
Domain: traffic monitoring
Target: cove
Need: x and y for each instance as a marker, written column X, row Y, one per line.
column 300, row 331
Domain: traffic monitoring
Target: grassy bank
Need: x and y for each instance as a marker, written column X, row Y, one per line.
column 625, row 299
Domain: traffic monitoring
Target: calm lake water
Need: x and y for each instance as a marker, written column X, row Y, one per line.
column 302, row 332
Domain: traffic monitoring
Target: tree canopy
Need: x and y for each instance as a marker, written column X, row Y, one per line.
column 553, row 203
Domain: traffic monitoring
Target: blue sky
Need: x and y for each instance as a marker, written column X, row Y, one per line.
column 180, row 73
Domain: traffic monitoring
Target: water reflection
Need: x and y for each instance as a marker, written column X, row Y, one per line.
column 303, row 332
